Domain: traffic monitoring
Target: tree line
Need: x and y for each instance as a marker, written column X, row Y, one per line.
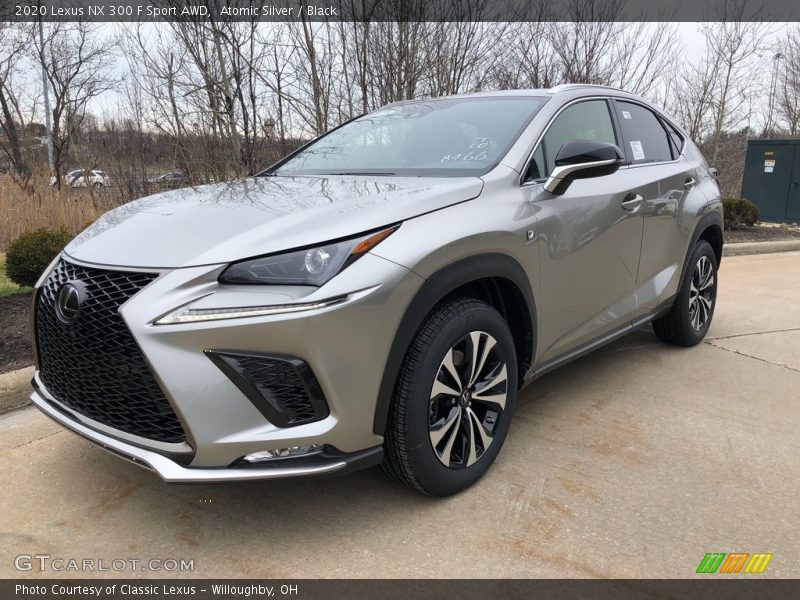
column 220, row 99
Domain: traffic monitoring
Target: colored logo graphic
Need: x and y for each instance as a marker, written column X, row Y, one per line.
column 735, row 562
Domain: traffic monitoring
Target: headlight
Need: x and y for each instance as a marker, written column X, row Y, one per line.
column 312, row 266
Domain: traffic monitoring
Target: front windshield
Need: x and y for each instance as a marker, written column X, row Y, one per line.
column 438, row 137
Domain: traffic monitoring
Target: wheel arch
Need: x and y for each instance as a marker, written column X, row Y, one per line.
column 713, row 235
column 496, row 278
column 708, row 228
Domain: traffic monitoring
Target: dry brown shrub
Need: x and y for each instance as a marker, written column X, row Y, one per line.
column 40, row 205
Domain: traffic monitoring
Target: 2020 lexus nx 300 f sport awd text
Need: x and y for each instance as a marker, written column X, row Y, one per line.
column 382, row 294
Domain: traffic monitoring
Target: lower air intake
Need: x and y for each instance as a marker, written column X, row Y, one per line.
column 282, row 388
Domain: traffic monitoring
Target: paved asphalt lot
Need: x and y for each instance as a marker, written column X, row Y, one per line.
column 632, row 462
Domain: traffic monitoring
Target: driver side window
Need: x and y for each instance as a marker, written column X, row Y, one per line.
column 588, row 120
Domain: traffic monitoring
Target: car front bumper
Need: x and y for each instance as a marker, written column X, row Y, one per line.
column 344, row 345
column 172, row 471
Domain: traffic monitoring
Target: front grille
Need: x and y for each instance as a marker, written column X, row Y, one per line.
column 94, row 366
column 283, row 388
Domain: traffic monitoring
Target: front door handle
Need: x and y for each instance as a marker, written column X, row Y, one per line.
column 632, row 202
column 689, row 183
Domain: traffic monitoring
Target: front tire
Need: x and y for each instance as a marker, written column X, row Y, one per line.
column 453, row 399
column 687, row 322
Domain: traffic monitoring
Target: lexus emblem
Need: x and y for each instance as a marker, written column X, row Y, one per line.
column 69, row 301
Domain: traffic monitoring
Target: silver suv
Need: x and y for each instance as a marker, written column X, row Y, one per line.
column 382, row 294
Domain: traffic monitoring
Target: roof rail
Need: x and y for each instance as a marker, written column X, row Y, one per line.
column 574, row 86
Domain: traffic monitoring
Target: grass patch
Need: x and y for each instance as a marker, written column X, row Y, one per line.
column 7, row 287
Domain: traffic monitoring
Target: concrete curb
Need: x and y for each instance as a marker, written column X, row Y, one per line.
column 15, row 387
column 760, row 247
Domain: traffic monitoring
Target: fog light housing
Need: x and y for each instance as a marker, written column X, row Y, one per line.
column 283, row 453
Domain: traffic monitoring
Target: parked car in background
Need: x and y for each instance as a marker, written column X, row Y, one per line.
column 78, row 178
column 171, row 179
column 382, row 294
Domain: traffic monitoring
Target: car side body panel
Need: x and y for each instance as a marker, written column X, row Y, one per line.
column 589, row 250
column 670, row 220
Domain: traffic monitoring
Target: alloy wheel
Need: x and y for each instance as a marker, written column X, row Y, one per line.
column 701, row 293
column 468, row 397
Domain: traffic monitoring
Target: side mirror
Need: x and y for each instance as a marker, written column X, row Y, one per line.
column 582, row 159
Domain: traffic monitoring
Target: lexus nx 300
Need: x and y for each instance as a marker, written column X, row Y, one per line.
column 382, row 294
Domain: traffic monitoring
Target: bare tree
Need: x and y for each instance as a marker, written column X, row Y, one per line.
column 77, row 65
column 247, row 58
column 276, row 76
column 691, row 95
column 733, row 48
column 461, row 53
column 13, row 41
column 788, row 88
column 590, row 47
column 643, row 56
column 156, row 67
column 525, row 57
column 398, row 60
column 356, row 36
column 319, row 59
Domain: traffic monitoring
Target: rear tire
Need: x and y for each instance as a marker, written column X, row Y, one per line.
column 687, row 322
column 453, row 399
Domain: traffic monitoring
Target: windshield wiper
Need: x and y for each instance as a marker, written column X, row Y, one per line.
column 384, row 173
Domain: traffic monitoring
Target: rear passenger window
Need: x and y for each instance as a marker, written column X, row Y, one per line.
column 589, row 120
column 645, row 138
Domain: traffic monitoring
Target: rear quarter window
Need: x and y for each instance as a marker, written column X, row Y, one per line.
column 676, row 140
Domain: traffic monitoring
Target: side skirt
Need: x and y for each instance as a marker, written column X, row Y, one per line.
column 552, row 364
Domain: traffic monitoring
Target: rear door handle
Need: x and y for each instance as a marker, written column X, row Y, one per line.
column 689, row 183
column 632, row 202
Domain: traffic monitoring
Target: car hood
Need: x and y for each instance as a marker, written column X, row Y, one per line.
column 225, row 222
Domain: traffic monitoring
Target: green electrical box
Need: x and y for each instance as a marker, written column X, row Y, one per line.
column 771, row 179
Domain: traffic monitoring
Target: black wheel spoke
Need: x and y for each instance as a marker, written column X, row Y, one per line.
column 468, row 396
